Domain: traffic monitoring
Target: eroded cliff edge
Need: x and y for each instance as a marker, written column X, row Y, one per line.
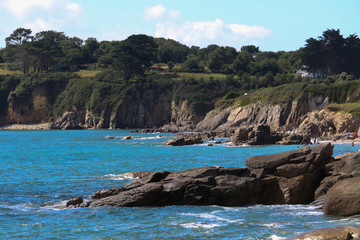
column 73, row 102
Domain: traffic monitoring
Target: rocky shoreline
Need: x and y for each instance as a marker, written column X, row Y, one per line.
column 299, row 176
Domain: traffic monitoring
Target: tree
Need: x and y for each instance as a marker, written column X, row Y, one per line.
column 253, row 50
column 312, row 56
column 19, row 36
column 192, row 64
column 352, row 55
column 135, row 55
column 89, row 49
column 49, row 50
column 170, row 50
column 242, row 62
column 171, row 65
column 216, row 60
column 333, row 49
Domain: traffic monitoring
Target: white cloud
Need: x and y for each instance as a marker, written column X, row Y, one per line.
column 38, row 25
column 20, row 8
column 174, row 14
column 155, row 12
column 250, row 31
column 211, row 32
column 42, row 15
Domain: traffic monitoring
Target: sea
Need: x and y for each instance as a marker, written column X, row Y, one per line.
column 41, row 170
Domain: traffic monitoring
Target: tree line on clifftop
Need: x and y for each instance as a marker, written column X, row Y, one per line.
column 44, row 51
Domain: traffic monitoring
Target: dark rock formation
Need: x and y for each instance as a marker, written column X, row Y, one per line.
column 338, row 233
column 261, row 135
column 289, row 177
column 75, row 202
column 343, row 199
column 182, row 141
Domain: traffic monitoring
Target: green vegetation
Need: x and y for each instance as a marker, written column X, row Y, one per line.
column 97, row 76
column 353, row 108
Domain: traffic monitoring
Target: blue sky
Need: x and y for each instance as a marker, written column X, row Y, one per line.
column 272, row 25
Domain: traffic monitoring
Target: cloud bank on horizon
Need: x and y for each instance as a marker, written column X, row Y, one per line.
column 60, row 15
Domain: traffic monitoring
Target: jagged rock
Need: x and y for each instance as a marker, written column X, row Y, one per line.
column 340, row 168
column 241, row 135
column 182, row 141
column 127, row 138
column 258, row 135
column 338, row 233
column 343, row 199
column 290, row 177
column 67, row 121
column 293, row 139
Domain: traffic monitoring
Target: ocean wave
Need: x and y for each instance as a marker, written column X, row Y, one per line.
column 200, row 225
column 149, row 138
column 23, row 207
column 119, row 177
column 212, row 217
column 57, row 205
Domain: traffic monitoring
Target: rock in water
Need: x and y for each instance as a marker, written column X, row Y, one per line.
column 182, row 141
column 289, row 177
column 74, row 202
column 343, row 199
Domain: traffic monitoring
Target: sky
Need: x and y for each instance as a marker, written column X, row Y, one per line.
column 272, row 25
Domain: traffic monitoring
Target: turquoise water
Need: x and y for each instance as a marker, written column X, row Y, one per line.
column 40, row 170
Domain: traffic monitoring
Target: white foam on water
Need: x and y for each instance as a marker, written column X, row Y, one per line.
column 200, row 225
column 119, row 177
column 148, row 138
column 273, row 225
column 212, row 217
column 24, row 207
column 274, row 237
column 57, row 205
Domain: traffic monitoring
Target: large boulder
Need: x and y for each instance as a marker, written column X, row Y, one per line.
column 341, row 167
column 343, row 199
column 335, row 233
column 289, row 177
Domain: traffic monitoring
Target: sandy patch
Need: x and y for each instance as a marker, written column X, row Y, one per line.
column 39, row 126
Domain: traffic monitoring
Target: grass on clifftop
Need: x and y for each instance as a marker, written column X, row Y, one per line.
column 273, row 95
column 353, row 108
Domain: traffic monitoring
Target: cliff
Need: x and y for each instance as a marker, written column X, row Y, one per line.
column 104, row 102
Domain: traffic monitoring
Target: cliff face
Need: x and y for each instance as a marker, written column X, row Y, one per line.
column 182, row 107
column 144, row 109
column 36, row 110
column 284, row 116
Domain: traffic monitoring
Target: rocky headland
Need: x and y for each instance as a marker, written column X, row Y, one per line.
column 301, row 176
